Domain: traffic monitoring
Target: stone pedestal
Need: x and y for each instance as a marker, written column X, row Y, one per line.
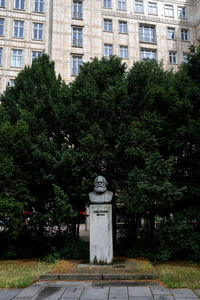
column 101, row 237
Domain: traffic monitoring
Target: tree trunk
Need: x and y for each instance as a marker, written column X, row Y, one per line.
column 77, row 229
column 133, row 228
column 147, row 227
column 152, row 226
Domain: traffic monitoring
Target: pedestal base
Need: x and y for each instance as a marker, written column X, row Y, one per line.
column 101, row 237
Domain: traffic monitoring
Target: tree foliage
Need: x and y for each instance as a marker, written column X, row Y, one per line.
column 139, row 128
column 98, row 96
column 42, row 158
column 14, row 175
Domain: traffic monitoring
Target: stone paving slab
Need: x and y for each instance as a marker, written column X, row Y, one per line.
column 141, row 298
column 159, row 290
column 7, row 294
column 118, row 292
column 169, row 297
column 50, row 293
column 28, row 293
column 139, row 291
column 118, row 298
column 91, row 293
column 73, row 292
column 183, row 293
column 67, row 298
column 86, row 290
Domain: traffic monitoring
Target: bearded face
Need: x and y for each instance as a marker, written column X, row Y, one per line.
column 100, row 184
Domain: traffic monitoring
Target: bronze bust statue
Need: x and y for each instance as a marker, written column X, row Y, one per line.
column 100, row 194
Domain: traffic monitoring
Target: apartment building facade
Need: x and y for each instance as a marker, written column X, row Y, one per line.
column 74, row 31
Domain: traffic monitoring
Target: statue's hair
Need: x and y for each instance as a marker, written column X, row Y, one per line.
column 104, row 179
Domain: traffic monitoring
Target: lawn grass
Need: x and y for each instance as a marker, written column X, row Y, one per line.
column 121, row 265
column 180, row 274
column 21, row 273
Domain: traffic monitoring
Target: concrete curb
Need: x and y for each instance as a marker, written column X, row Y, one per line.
column 49, row 277
column 80, row 277
column 132, row 283
column 98, row 277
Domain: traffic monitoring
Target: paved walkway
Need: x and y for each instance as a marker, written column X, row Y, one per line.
column 87, row 290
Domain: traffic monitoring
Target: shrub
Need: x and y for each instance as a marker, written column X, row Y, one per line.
column 74, row 248
column 178, row 237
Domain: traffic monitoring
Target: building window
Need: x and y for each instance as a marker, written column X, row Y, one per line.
column 2, row 3
column 181, row 12
column 1, row 54
column 172, row 57
column 108, row 50
column 171, row 33
column 169, row 10
column 77, row 9
column 77, row 37
column 16, row 60
column 76, row 63
column 185, row 57
column 11, row 82
column 107, row 25
column 107, row 3
column 18, row 29
column 38, row 31
column 147, row 34
column 39, row 6
column 123, row 27
column 123, row 51
column 1, row 27
column 147, row 54
column 122, row 4
column 184, row 35
column 139, row 6
column 36, row 54
column 152, row 8
column 19, row 4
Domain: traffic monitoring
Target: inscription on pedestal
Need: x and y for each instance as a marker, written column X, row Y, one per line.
column 100, row 212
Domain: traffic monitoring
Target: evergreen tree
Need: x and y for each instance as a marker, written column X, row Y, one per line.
column 38, row 100
column 15, row 196
column 139, row 129
column 150, row 187
column 98, row 96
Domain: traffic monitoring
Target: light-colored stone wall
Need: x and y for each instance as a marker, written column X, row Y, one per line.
column 196, row 11
column 196, row 15
column 94, row 37
column 58, row 22
column 27, row 43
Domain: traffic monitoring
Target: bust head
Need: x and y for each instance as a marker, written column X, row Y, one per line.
column 100, row 184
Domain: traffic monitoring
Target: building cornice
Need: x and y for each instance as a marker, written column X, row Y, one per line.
column 181, row 2
column 147, row 18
